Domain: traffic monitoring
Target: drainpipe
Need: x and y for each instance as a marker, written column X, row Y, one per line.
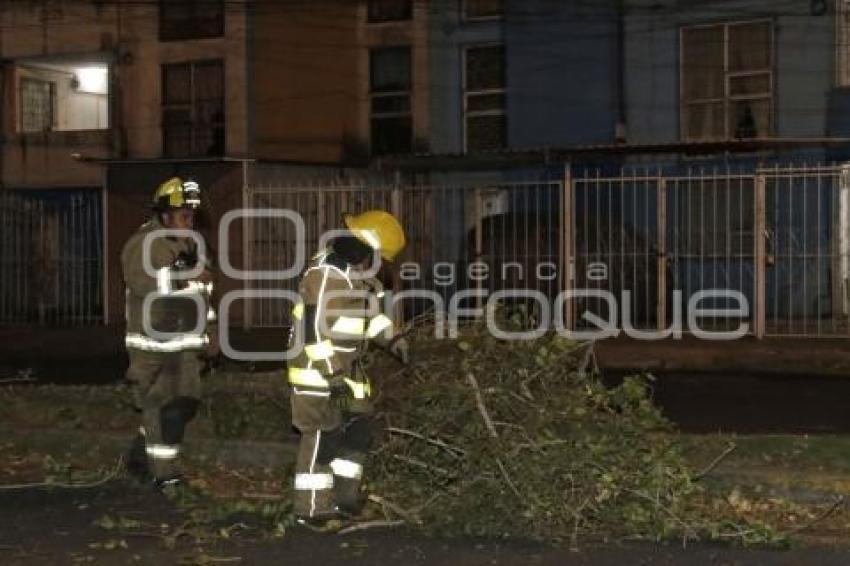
column 620, row 133
column 120, row 62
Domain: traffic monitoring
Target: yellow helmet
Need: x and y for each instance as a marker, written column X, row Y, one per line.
column 177, row 193
column 378, row 229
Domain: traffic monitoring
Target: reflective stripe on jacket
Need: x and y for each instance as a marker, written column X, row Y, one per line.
column 181, row 308
column 336, row 324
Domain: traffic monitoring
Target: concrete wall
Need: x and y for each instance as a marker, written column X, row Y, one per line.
column 126, row 36
column 72, row 30
column 54, row 28
column 562, row 72
column 804, row 63
column 306, row 73
column 139, row 74
column 448, row 34
column 311, row 78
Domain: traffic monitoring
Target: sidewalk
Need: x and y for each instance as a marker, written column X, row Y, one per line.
column 96, row 354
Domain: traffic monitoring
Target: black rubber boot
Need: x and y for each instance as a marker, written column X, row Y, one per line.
column 137, row 460
column 326, row 522
column 170, row 485
column 349, row 500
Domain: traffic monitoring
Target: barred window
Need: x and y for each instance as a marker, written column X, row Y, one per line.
column 727, row 81
column 38, row 99
column 485, row 120
column 391, row 123
column 193, row 109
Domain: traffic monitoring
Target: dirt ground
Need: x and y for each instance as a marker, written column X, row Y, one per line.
column 746, row 386
column 755, row 392
column 60, row 527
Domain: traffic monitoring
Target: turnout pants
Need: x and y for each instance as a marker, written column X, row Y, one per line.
column 167, row 391
column 335, row 440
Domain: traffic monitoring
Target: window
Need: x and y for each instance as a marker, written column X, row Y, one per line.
column 391, row 125
column 727, row 81
column 61, row 95
column 193, row 109
column 390, row 10
column 190, row 19
column 485, row 123
column 482, row 9
column 38, row 99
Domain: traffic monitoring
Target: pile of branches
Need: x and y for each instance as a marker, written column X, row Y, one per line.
column 488, row 437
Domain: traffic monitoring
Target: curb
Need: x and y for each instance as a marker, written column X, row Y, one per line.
column 227, row 452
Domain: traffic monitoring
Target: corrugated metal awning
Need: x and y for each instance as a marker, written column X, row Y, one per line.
column 519, row 157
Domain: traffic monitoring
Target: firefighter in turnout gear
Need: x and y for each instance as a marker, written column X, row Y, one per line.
column 330, row 391
column 170, row 321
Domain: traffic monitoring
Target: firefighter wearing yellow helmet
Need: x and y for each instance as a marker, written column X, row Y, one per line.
column 169, row 323
column 330, row 391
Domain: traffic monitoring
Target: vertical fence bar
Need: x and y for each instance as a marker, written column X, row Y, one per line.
column 397, row 210
column 841, row 263
column 661, row 244
column 819, row 254
column 73, row 234
column 790, row 252
column 627, row 247
column 479, row 239
column 805, row 253
column 247, row 249
column 759, row 268
column 567, row 241
column 776, row 248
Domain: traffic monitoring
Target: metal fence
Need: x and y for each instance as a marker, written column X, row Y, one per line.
column 51, row 250
column 776, row 241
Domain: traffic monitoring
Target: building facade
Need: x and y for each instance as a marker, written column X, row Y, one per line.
column 103, row 100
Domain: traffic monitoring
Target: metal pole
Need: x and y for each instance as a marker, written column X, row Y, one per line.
column 104, row 245
column 479, row 239
column 397, row 210
column 567, row 241
column 247, row 248
column 661, row 315
column 760, row 263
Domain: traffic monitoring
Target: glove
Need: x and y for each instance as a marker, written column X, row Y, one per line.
column 338, row 386
column 375, row 287
column 400, row 348
column 213, row 348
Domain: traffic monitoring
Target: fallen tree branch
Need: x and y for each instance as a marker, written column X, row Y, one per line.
column 370, row 525
column 404, row 432
column 508, row 480
column 408, row 516
column 589, row 356
column 479, row 400
column 82, row 485
column 714, row 463
column 839, row 503
column 262, row 496
column 688, row 529
column 420, row 464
